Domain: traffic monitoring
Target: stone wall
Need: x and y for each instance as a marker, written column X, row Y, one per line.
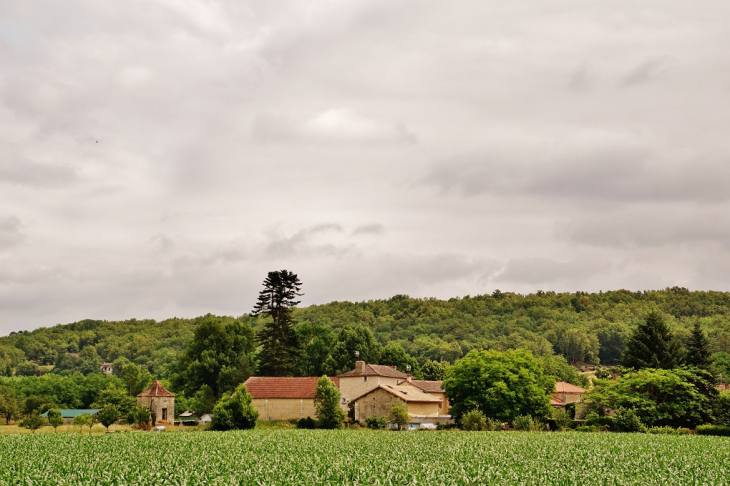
column 162, row 407
column 284, row 408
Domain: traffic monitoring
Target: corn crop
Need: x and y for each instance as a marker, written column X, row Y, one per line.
column 263, row 457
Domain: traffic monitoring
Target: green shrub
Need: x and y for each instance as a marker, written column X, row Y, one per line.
column 626, row 420
column 722, row 430
column 561, row 419
column 526, row 423
column 494, row 424
column 593, row 419
column 306, row 423
column 474, row 420
column 591, row 428
column 661, row 430
column 375, row 422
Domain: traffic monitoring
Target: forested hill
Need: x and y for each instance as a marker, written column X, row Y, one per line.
column 585, row 328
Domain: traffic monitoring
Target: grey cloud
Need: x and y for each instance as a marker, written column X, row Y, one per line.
column 583, row 77
column 607, row 174
column 10, row 232
column 369, row 229
column 544, row 271
column 645, row 71
column 18, row 170
column 305, row 241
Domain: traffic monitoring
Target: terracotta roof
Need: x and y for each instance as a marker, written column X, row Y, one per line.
column 563, row 387
column 405, row 393
column 429, row 386
column 156, row 390
column 556, row 402
column 278, row 387
column 377, row 370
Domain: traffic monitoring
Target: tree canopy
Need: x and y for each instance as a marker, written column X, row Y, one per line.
column 327, row 404
column 503, row 385
column 235, row 411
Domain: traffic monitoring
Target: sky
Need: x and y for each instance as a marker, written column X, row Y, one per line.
column 159, row 157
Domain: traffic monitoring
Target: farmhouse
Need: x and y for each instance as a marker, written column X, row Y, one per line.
column 68, row 415
column 434, row 388
column 422, row 407
column 278, row 398
column 366, row 377
column 565, row 393
column 159, row 401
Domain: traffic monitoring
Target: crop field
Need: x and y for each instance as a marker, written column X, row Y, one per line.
column 363, row 457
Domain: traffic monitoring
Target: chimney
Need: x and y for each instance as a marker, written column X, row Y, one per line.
column 409, row 379
column 359, row 367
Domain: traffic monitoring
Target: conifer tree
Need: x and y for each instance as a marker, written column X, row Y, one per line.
column 698, row 353
column 280, row 347
column 652, row 345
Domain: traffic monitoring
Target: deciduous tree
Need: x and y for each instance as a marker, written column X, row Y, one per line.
column 502, row 385
column 54, row 418
column 108, row 415
column 235, row 412
column 33, row 422
column 327, row 404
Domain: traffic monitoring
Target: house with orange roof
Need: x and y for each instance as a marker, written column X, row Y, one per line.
column 566, row 393
column 434, row 388
column 283, row 398
column 365, row 377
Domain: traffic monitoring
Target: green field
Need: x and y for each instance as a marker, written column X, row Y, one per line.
column 363, row 457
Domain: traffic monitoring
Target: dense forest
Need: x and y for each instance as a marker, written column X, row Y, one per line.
column 415, row 334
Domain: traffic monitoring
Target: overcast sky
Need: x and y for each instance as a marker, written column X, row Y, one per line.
column 159, row 157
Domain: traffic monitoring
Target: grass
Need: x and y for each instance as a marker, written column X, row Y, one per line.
column 364, row 457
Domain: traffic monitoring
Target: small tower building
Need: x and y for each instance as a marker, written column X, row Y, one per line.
column 159, row 401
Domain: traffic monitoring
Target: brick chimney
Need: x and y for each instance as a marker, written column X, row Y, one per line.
column 359, row 367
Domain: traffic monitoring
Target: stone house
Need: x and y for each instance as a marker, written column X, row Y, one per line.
column 434, row 388
column 422, row 407
column 159, row 401
column 277, row 398
column 107, row 368
column 366, row 377
column 566, row 393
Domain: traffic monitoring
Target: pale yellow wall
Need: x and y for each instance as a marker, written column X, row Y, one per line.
column 444, row 410
column 377, row 403
column 354, row 386
column 423, row 409
column 569, row 397
column 284, row 408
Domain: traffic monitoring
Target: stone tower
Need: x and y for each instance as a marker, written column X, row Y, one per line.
column 159, row 401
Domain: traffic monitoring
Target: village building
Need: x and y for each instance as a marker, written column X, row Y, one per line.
column 68, row 415
column 159, row 401
column 366, row 377
column 277, row 398
column 421, row 407
column 205, row 419
column 107, row 368
column 566, row 393
column 433, row 388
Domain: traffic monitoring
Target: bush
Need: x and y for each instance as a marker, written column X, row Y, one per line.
column 595, row 420
column 494, row 425
column 561, row 419
column 474, row 420
column 399, row 416
column 591, row 428
column 626, row 420
column 306, row 423
column 668, row 430
column 526, row 423
column 375, row 422
column 235, row 412
column 722, row 430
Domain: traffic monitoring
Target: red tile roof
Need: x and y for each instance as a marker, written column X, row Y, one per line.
column 556, row 402
column 563, row 387
column 377, row 370
column 156, row 390
column 429, row 386
column 278, row 387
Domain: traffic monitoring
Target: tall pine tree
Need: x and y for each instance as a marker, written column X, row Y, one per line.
column 652, row 345
column 280, row 347
column 698, row 352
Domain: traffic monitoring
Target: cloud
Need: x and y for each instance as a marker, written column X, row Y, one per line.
column 583, row 77
column 315, row 239
column 545, row 271
column 336, row 125
column 18, row 170
column 369, row 229
column 645, row 71
column 10, row 233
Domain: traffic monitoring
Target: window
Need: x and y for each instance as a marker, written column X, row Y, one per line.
column 364, row 378
column 164, row 414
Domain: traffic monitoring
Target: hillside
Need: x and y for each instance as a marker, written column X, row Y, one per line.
column 585, row 328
